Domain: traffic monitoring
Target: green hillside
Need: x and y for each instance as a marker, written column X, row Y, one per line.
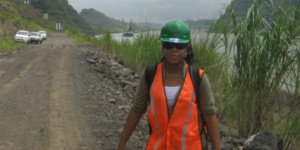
column 241, row 7
column 269, row 10
column 60, row 11
column 100, row 22
column 15, row 16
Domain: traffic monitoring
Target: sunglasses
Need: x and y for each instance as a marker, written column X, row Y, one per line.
column 179, row 46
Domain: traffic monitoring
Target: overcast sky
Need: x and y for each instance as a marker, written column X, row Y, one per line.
column 154, row 11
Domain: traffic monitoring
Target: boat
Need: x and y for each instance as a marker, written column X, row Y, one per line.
column 128, row 34
column 130, row 31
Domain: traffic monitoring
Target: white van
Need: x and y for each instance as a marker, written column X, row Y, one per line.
column 43, row 34
column 36, row 37
column 22, row 36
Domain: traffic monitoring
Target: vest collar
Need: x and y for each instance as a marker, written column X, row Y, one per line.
column 182, row 74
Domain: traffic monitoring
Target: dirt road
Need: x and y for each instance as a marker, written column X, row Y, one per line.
column 51, row 98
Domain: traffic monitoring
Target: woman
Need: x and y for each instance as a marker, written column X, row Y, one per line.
column 173, row 113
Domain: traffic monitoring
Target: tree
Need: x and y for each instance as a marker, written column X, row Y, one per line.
column 40, row 4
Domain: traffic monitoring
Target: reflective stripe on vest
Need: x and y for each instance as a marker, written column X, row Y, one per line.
column 182, row 130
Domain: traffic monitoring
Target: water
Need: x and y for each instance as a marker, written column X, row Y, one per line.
column 119, row 37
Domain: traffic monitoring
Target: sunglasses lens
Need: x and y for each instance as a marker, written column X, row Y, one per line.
column 178, row 46
column 168, row 45
column 181, row 46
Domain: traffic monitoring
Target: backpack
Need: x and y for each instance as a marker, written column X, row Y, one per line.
column 150, row 72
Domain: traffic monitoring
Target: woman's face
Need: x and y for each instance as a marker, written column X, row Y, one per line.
column 174, row 53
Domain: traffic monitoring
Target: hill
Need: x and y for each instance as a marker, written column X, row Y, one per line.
column 269, row 10
column 16, row 16
column 59, row 11
column 241, row 7
column 100, row 22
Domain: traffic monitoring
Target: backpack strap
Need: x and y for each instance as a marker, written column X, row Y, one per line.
column 150, row 72
column 194, row 72
column 196, row 79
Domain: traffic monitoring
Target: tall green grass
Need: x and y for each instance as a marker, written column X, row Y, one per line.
column 9, row 44
column 215, row 65
column 143, row 50
column 266, row 61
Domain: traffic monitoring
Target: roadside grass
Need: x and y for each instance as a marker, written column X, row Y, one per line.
column 215, row 65
column 289, row 127
column 145, row 49
column 266, row 62
column 79, row 37
column 10, row 44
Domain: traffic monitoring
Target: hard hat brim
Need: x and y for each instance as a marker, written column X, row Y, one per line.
column 174, row 40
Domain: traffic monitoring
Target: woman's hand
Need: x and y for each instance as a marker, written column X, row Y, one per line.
column 211, row 122
column 121, row 147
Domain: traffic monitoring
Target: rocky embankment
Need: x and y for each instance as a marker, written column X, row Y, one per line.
column 111, row 90
column 116, row 84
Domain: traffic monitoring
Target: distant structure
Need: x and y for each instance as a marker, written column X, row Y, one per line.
column 132, row 26
column 27, row 2
column 45, row 15
column 131, row 30
column 58, row 27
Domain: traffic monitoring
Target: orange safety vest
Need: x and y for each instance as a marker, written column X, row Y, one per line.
column 181, row 131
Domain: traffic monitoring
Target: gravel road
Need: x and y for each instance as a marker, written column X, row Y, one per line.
column 63, row 95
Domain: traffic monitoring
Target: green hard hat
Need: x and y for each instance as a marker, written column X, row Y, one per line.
column 175, row 31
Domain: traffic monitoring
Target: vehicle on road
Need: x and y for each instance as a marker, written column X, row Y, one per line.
column 22, row 36
column 44, row 34
column 35, row 37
